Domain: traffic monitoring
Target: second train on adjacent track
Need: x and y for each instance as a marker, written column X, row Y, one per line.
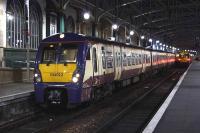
column 72, row 68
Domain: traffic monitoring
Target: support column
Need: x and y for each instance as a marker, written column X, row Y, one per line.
column 2, row 31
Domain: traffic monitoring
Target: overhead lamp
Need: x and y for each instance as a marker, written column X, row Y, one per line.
column 10, row 17
column 86, row 15
column 112, row 38
column 142, row 37
column 114, row 26
column 131, row 32
column 150, row 40
column 158, row 41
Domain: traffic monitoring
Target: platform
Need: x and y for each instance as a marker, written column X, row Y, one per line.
column 180, row 113
column 15, row 90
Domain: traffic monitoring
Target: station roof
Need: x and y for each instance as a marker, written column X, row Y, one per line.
column 174, row 21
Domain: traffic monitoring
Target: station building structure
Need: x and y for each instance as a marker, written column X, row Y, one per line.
column 48, row 17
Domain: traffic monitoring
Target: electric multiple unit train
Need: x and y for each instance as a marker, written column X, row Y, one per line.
column 183, row 58
column 72, row 68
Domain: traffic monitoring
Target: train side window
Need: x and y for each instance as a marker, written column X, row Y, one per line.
column 94, row 60
column 129, row 59
column 133, row 59
column 109, row 59
column 88, row 54
column 136, row 59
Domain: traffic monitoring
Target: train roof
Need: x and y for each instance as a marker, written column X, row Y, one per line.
column 73, row 37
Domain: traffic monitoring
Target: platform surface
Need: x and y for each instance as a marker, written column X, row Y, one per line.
column 15, row 90
column 183, row 113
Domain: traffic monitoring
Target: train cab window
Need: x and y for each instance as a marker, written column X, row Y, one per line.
column 49, row 55
column 68, row 53
column 94, row 59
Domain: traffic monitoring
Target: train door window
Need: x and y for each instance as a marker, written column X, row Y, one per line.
column 146, row 59
column 88, row 54
column 103, row 57
column 119, row 59
column 116, row 61
column 124, row 59
column 94, row 60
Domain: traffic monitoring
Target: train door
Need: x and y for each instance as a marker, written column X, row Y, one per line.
column 144, row 61
column 95, row 65
column 117, row 62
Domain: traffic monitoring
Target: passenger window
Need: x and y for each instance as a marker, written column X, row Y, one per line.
column 94, row 60
column 129, row 59
column 109, row 59
column 133, row 59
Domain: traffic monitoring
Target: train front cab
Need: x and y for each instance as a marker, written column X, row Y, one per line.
column 183, row 59
column 59, row 72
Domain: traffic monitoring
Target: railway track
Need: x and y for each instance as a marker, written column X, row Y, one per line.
column 135, row 116
column 47, row 121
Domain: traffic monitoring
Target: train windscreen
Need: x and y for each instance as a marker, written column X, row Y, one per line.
column 59, row 53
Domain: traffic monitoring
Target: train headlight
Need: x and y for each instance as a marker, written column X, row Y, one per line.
column 77, row 75
column 37, row 77
column 75, row 79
